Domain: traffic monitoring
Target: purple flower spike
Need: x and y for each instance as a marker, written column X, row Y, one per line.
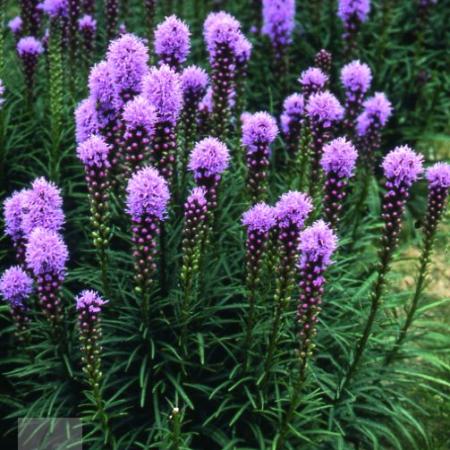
column 147, row 199
column 258, row 132
column 352, row 14
column 402, row 166
column 128, row 59
column 86, row 122
column 162, row 88
column 15, row 288
column 291, row 122
column 29, row 49
column 194, row 82
column 15, row 25
column 87, row 26
column 42, row 206
column 55, row 9
column 172, row 42
column 94, row 152
column 292, row 209
column 260, row 218
column 338, row 163
column 312, row 81
column 139, row 118
column 323, row 61
column 89, row 304
column 278, row 24
column 14, row 210
column 317, row 244
column 438, row 177
column 46, row 256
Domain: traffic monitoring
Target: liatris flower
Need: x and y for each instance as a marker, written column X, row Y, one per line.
column 291, row 122
column 259, row 220
column 402, row 167
column 338, row 163
column 139, row 117
column 222, row 32
column 147, row 199
column 323, row 60
column 291, row 212
column 258, row 132
column 13, row 211
column 356, row 78
column 46, row 256
column 172, row 42
column 278, row 24
column 86, row 122
column 312, row 81
column 376, row 112
column 323, row 110
column 194, row 231
column 194, row 82
column 438, row 177
column 16, row 287
column 352, row 14
column 42, row 207
column 208, row 160
column 55, row 9
column 112, row 18
column 15, row 25
column 29, row 49
column 162, row 88
column 243, row 52
column 128, row 58
column 88, row 28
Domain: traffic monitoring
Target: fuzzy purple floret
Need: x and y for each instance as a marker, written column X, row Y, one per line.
column 102, row 90
column 147, row 194
column 140, row 113
column 94, row 152
column 128, row 59
column 402, row 166
column 293, row 109
column 13, row 211
column 339, row 157
column 278, row 20
column 317, row 244
column 42, row 207
column 356, row 77
column 210, row 157
column 90, row 301
column 243, row 50
column 29, row 45
column 87, row 23
column 86, row 120
column 292, row 208
column 260, row 218
column 15, row 286
column 259, row 128
column 55, row 8
column 324, row 107
column 194, row 81
column 162, row 88
column 313, row 77
column 221, row 28
column 438, row 175
column 348, row 9
column 172, row 39
column 377, row 110
column 46, row 252
column 15, row 25
column 197, row 196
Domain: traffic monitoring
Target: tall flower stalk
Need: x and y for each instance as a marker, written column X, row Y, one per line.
column 312, row 81
column 87, row 27
column 29, row 49
column 147, row 199
column 292, row 119
column 94, row 154
column 317, row 244
column 402, row 167
column 291, row 212
column 258, row 132
column 438, row 177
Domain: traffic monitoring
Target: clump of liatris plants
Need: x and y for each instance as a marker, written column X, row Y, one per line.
column 29, row 49
column 172, row 42
column 324, row 112
column 208, row 160
column 323, row 60
column 402, row 167
column 46, row 257
column 356, row 78
column 338, row 163
column 147, row 199
column 312, row 81
column 352, row 14
column 16, row 288
column 162, row 88
column 258, row 132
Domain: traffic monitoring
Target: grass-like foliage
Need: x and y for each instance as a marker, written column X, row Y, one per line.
column 206, row 330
